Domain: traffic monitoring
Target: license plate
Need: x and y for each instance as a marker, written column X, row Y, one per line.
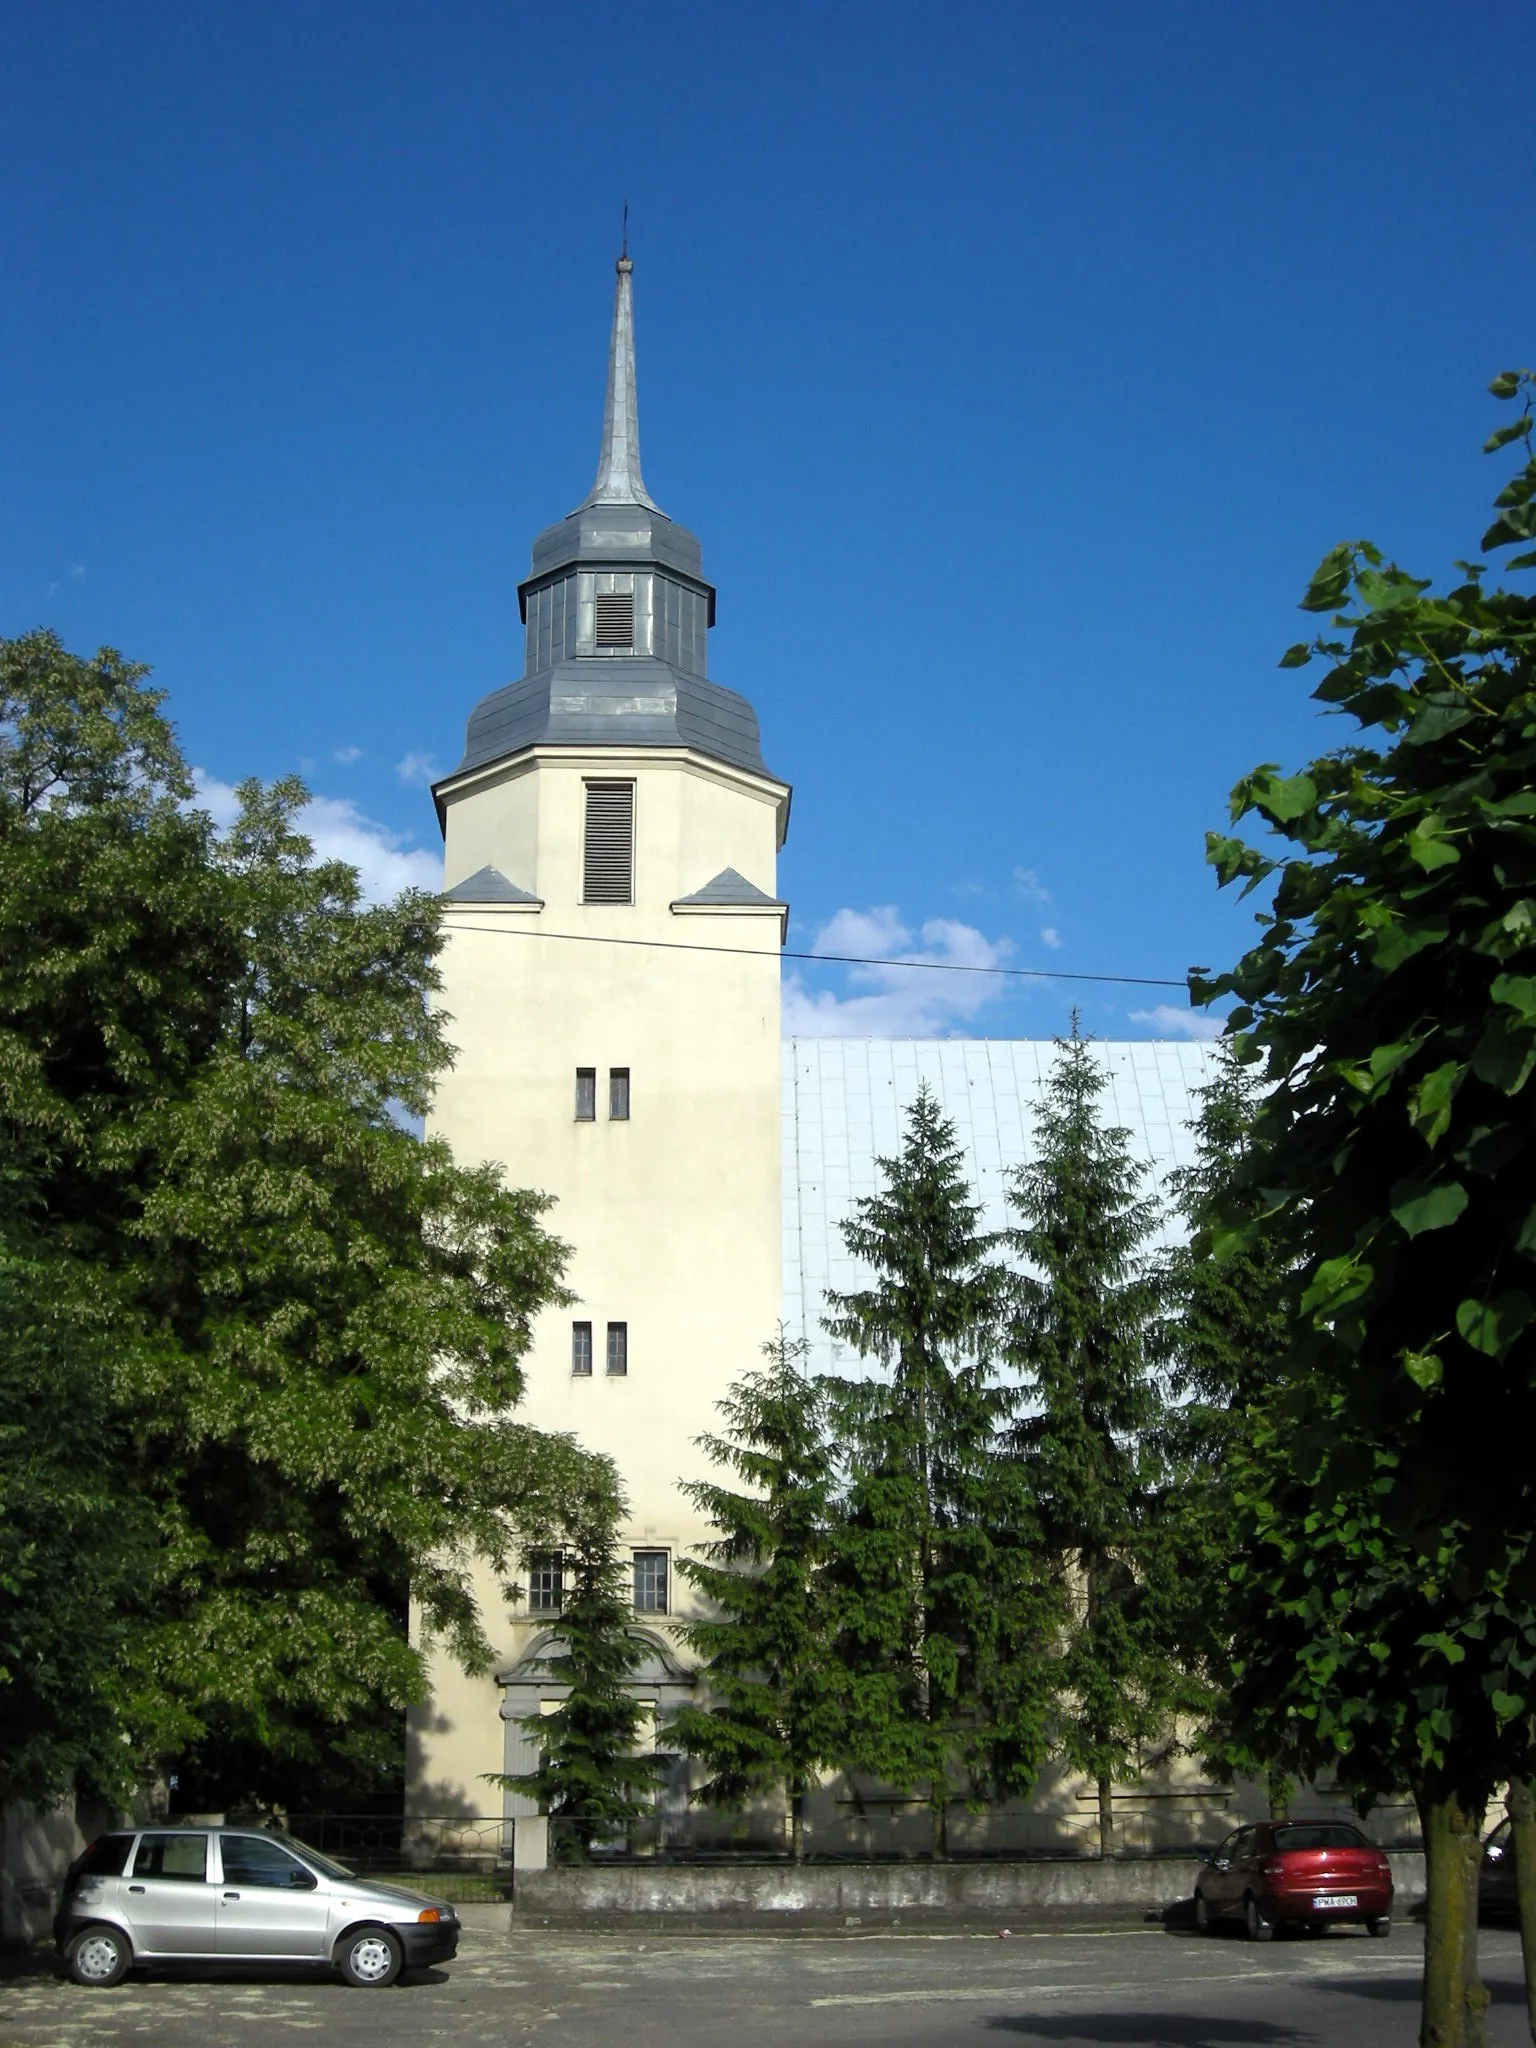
column 1325, row 1899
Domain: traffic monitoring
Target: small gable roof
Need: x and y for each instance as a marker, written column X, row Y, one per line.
column 728, row 889
column 487, row 885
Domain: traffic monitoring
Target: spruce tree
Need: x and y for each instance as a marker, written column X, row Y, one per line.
column 936, row 1614
column 590, row 1779
column 768, row 1722
column 1225, row 1331
column 1088, row 1415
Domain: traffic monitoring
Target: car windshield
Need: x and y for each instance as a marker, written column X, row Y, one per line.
column 1319, row 1836
column 326, row 1865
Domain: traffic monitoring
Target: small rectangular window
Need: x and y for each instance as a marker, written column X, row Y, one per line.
column 608, row 848
column 618, row 1349
column 650, row 1582
column 618, row 1094
column 614, row 613
column 546, row 1582
column 581, row 1350
column 586, row 1094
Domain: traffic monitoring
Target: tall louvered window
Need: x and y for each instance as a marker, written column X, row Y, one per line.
column 614, row 618
column 608, row 853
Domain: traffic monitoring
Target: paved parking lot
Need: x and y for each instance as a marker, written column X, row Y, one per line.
column 1172, row 1990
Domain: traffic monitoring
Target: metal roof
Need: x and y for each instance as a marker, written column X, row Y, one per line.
column 619, row 481
column 844, row 1103
column 637, row 703
column 583, row 696
column 487, row 885
column 727, row 889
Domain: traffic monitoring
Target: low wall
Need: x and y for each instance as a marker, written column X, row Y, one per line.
column 37, row 1846
column 875, row 1895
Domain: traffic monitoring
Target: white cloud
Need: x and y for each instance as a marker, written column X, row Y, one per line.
column 418, row 769
column 886, row 1001
column 385, row 861
column 1173, row 1022
column 1049, row 936
column 347, row 755
column 1027, row 883
column 75, row 573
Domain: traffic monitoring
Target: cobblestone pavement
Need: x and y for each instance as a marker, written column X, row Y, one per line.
column 911, row 1992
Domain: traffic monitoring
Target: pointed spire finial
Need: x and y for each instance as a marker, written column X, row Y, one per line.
column 619, row 481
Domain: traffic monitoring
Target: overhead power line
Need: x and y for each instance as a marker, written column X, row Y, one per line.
column 499, row 931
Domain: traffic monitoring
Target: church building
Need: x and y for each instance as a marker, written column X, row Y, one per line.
column 612, row 972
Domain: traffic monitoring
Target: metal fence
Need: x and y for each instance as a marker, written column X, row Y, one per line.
column 475, row 1848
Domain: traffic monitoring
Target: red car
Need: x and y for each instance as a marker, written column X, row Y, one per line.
column 1295, row 1873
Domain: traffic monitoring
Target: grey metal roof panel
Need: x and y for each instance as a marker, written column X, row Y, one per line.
column 844, row 1101
column 617, row 533
column 634, row 702
column 728, row 888
column 487, row 885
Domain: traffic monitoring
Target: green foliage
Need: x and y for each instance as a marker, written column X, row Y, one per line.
column 589, row 1778
column 938, row 1608
column 769, row 1718
column 75, row 1556
column 1386, row 1564
column 1089, row 1415
column 1226, row 1324
column 316, row 1320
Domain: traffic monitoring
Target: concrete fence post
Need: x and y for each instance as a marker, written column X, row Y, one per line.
column 530, row 1842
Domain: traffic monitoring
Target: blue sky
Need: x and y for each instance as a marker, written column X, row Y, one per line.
column 1014, row 365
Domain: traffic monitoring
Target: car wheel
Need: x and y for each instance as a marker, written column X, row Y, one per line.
column 369, row 1957
column 99, row 1956
column 1380, row 1927
column 1202, row 1914
column 1259, row 1928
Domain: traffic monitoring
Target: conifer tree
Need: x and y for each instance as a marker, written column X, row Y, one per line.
column 1088, row 1416
column 769, row 1720
column 937, row 1615
column 1224, row 1334
column 590, row 1778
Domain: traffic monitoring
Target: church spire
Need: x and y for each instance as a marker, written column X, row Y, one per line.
column 619, row 481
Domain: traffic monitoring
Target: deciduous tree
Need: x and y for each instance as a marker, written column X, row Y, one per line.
column 1387, row 1556
column 314, row 1321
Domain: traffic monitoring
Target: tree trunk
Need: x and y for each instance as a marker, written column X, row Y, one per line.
column 797, row 1824
column 1522, row 1815
column 938, row 1814
column 1454, row 1997
column 1106, row 1817
column 1280, row 1790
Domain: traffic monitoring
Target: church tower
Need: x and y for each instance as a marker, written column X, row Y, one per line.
column 612, row 975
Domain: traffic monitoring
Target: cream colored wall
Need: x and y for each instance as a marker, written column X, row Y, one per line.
column 673, row 1217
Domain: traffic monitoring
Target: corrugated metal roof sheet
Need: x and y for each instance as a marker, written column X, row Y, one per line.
column 844, row 1105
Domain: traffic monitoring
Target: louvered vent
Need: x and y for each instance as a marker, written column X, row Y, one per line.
column 615, row 617
column 608, row 865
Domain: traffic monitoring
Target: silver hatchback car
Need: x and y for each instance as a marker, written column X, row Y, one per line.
column 238, row 1895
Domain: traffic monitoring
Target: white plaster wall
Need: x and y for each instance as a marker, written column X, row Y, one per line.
column 673, row 1217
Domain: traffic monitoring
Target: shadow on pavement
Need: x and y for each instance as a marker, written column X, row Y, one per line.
column 1148, row 2029
column 1407, row 1990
